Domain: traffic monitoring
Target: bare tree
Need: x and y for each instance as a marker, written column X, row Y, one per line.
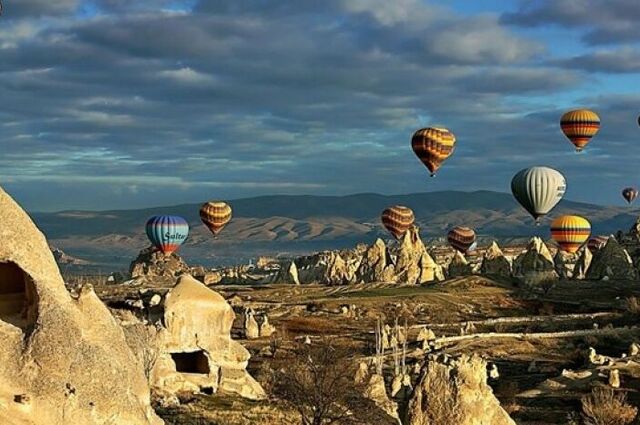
column 318, row 381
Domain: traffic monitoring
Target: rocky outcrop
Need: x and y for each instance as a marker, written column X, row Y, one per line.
column 64, row 259
column 407, row 264
column 328, row 267
column 63, row 359
column 459, row 266
column 153, row 263
column 564, row 263
column 535, row 265
column 494, row 262
column 582, row 265
column 195, row 349
column 611, row 262
column 455, row 392
column 375, row 265
column 288, row 274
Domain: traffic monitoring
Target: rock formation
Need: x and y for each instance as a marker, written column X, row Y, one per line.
column 459, row 266
column 63, row 360
column 582, row 265
column 407, row 265
column 535, row 265
column 251, row 328
column 611, row 262
column 63, row 258
column 151, row 262
column 288, row 274
column 494, row 262
column 195, row 349
column 455, row 393
column 328, row 267
column 564, row 263
column 375, row 265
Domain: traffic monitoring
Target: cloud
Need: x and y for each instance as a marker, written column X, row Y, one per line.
column 605, row 21
column 620, row 61
column 243, row 98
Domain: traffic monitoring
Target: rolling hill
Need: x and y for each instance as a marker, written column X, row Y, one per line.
column 282, row 224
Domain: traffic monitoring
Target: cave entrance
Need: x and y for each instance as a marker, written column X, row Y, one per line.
column 18, row 299
column 191, row 362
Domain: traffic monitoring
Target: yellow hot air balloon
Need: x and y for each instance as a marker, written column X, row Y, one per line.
column 215, row 215
column 433, row 145
column 580, row 126
column 570, row 232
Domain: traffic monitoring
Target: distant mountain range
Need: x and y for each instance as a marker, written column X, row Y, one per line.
column 283, row 224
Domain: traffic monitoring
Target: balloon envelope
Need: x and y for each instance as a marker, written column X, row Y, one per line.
column 538, row 189
column 215, row 215
column 397, row 220
column 570, row 232
column 630, row 194
column 461, row 238
column 432, row 146
column 580, row 126
column 167, row 232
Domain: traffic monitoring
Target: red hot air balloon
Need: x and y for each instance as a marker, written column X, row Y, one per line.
column 462, row 238
column 397, row 220
column 630, row 194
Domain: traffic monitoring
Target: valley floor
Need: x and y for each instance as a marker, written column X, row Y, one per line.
column 531, row 336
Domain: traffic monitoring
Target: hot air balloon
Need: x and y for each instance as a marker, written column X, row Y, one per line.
column 580, row 126
column 570, row 232
column 538, row 189
column 215, row 215
column 433, row 145
column 397, row 220
column 462, row 238
column 167, row 232
column 630, row 194
column 597, row 242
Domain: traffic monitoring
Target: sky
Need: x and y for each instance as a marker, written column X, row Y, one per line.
column 115, row 104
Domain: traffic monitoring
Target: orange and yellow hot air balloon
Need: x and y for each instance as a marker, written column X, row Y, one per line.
column 397, row 220
column 215, row 215
column 580, row 126
column 570, row 232
column 433, row 145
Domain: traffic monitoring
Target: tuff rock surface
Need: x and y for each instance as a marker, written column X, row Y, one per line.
column 63, row 360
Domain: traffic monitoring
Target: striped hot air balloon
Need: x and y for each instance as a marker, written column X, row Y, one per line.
column 397, row 220
column 538, row 189
column 630, row 194
column 433, row 145
column 461, row 238
column 597, row 242
column 580, row 126
column 215, row 215
column 570, row 232
column 167, row 232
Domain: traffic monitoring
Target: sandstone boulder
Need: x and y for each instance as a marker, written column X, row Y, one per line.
column 62, row 359
column 535, row 265
column 611, row 262
column 455, row 393
column 195, row 349
column 494, row 262
column 459, row 266
column 151, row 262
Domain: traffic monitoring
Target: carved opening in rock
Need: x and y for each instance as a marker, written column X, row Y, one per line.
column 18, row 297
column 192, row 362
